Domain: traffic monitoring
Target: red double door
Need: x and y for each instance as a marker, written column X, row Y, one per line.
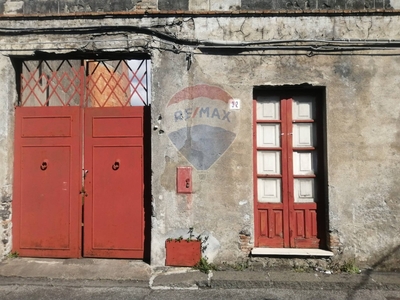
column 288, row 171
column 78, row 182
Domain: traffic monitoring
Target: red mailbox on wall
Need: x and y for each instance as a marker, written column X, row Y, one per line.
column 184, row 180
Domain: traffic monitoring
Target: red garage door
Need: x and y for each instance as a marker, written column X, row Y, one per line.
column 78, row 179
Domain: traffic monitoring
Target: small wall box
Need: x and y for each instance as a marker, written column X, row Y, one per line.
column 182, row 253
column 184, row 180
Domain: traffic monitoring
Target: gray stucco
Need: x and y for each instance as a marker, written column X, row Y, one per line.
column 362, row 118
column 8, row 94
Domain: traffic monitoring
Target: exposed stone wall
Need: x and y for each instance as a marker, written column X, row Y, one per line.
column 362, row 118
column 98, row 6
column 7, row 94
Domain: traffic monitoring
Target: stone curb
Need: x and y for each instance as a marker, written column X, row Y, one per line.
column 277, row 280
column 42, row 281
column 235, row 284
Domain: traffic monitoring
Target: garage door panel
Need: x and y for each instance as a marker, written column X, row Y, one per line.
column 117, row 199
column 46, row 207
column 114, row 206
column 46, row 178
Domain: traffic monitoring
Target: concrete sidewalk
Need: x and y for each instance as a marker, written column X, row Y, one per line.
column 102, row 272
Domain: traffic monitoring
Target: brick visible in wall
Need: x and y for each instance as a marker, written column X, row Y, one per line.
column 245, row 244
column 173, row 4
column 335, row 245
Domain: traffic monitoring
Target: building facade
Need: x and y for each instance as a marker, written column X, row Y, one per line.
column 261, row 126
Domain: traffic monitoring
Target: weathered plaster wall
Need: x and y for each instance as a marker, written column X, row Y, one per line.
column 362, row 151
column 7, row 94
column 362, row 117
column 221, row 205
column 9, row 7
column 362, row 112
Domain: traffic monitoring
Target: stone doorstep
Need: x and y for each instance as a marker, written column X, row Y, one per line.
column 291, row 252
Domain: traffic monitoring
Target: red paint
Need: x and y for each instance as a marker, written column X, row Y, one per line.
column 184, row 179
column 47, row 180
column 58, row 78
column 200, row 90
column 113, row 210
column 49, row 199
column 182, row 253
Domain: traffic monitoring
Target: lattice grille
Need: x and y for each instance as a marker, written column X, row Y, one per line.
column 100, row 83
column 117, row 83
column 51, row 83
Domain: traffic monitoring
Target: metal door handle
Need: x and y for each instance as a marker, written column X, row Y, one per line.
column 115, row 166
column 43, row 166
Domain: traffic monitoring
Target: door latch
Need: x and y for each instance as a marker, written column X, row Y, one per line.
column 44, row 164
column 83, row 192
column 115, row 166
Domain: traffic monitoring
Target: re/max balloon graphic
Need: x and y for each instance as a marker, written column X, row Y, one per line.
column 202, row 126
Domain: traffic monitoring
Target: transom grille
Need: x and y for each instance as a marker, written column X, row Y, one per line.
column 87, row 83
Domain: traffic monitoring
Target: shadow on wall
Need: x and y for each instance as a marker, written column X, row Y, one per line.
column 386, row 262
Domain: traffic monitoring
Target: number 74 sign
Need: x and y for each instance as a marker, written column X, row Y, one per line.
column 234, row 104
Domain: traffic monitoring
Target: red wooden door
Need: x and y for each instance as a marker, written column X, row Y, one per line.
column 47, row 180
column 114, row 205
column 285, row 164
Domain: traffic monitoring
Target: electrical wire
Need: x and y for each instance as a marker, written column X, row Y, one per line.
column 177, row 44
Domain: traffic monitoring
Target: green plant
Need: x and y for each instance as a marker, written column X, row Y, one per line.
column 14, row 254
column 191, row 235
column 204, row 266
column 350, row 267
column 240, row 266
column 300, row 269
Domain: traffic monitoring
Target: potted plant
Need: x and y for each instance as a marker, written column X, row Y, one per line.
column 182, row 252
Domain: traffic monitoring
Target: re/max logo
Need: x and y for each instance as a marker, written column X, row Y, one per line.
column 202, row 112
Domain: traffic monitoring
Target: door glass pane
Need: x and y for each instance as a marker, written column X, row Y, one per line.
column 304, row 190
column 269, row 162
column 303, row 108
column 303, row 135
column 304, row 163
column 269, row 190
column 268, row 135
column 268, row 108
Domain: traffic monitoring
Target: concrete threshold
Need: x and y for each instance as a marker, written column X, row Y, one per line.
column 128, row 271
column 290, row 252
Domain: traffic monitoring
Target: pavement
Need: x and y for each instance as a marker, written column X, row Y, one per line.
column 130, row 273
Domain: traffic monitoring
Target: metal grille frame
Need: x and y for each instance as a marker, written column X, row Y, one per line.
column 85, row 83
